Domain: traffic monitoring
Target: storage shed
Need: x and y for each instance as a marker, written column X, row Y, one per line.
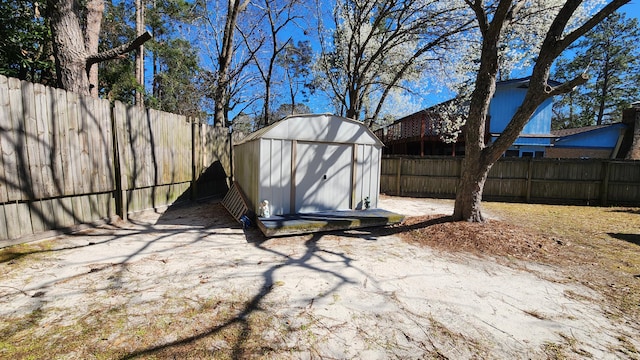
column 308, row 164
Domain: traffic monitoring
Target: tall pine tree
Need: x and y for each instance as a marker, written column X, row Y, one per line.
column 609, row 54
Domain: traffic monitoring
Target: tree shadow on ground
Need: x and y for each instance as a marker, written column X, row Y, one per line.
column 630, row 238
column 255, row 304
column 313, row 251
column 203, row 220
column 629, row 211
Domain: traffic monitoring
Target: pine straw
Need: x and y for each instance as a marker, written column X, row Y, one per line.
column 492, row 238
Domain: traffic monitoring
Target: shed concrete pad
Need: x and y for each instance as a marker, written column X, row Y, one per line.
column 279, row 225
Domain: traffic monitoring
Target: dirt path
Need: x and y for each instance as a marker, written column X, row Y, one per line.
column 191, row 283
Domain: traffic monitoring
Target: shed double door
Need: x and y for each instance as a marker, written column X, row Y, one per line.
column 323, row 177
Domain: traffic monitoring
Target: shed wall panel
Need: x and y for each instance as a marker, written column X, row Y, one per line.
column 275, row 175
column 246, row 170
column 367, row 175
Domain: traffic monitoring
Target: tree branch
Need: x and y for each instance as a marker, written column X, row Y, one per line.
column 567, row 86
column 115, row 52
column 591, row 23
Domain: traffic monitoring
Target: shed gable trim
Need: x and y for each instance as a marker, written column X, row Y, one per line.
column 318, row 128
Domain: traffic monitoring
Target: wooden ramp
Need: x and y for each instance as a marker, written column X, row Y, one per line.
column 279, row 225
column 236, row 204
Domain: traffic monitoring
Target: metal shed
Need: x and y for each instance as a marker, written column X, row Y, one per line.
column 308, row 164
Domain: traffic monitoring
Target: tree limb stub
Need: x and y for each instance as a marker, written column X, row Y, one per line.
column 567, row 86
column 120, row 50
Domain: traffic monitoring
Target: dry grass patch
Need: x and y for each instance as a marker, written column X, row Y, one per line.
column 213, row 330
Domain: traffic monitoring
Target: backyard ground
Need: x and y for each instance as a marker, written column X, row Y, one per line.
column 535, row 282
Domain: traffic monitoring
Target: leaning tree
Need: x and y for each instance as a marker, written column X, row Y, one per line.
column 495, row 19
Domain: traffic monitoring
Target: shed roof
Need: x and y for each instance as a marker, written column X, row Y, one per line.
column 317, row 127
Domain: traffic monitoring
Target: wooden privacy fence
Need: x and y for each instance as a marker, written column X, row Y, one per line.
column 554, row 181
column 67, row 160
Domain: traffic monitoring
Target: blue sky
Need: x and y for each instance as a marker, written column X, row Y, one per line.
column 319, row 105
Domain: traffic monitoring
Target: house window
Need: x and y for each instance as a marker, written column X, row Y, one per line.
column 512, row 153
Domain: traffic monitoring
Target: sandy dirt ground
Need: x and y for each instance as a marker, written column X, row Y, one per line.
column 346, row 295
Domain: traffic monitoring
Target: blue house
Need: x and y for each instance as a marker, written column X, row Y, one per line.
column 536, row 138
column 597, row 141
column 415, row 134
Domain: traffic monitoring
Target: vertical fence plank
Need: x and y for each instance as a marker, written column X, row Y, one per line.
column 35, row 187
column 399, row 177
column 3, row 220
column 44, row 139
column 57, row 173
column 196, row 152
column 119, row 150
column 62, row 138
column 604, row 189
column 84, row 112
column 73, row 129
column 529, row 177
column 15, row 156
column 5, row 143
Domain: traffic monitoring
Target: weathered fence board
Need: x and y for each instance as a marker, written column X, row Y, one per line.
column 13, row 148
column 5, row 115
column 597, row 181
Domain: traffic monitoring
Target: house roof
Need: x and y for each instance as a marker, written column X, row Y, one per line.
column 318, row 128
column 530, row 136
column 524, row 82
column 581, row 130
column 520, row 82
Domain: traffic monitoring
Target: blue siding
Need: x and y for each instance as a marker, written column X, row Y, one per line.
column 606, row 137
column 505, row 103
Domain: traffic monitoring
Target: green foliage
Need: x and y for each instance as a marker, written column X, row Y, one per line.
column 609, row 55
column 175, row 87
column 117, row 77
column 172, row 60
column 175, row 84
column 25, row 42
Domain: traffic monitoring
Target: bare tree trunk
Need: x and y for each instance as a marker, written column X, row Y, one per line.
column 634, row 151
column 140, row 53
column 95, row 12
column 603, row 96
column 74, row 51
column 68, row 45
column 221, row 93
column 469, row 191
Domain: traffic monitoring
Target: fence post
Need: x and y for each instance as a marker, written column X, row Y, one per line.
column 398, row 177
column 604, row 189
column 195, row 145
column 529, row 177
